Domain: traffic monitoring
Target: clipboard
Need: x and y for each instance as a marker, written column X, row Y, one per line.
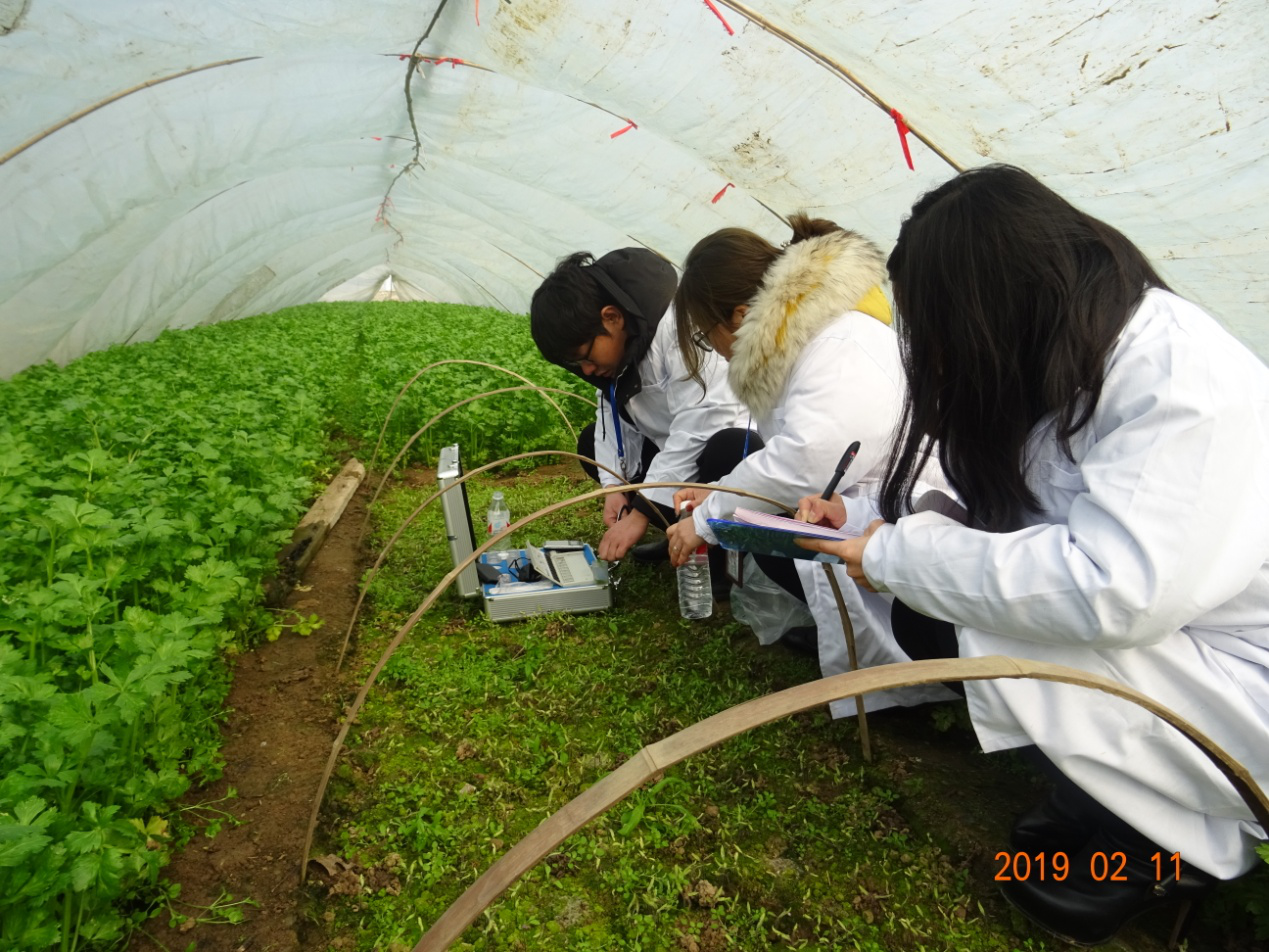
column 746, row 537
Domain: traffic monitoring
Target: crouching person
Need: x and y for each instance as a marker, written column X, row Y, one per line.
column 1110, row 443
column 610, row 321
column 806, row 333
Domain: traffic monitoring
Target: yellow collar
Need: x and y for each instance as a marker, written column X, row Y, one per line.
column 874, row 304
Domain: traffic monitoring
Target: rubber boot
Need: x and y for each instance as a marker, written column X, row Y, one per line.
column 1108, row 883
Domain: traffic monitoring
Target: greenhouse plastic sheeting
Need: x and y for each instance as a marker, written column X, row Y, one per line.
column 164, row 165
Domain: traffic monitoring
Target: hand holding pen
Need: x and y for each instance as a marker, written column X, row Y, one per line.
column 829, row 509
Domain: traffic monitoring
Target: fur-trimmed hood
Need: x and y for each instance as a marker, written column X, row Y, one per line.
column 809, row 286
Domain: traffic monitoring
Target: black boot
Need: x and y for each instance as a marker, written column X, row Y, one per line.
column 804, row 640
column 1108, row 882
column 1056, row 824
column 719, row 581
column 1066, row 819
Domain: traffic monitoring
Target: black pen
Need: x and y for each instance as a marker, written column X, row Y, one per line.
column 844, row 464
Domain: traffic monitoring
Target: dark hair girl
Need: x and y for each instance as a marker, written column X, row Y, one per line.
column 805, row 330
column 1110, row 441
column 723, row 273
column 1009, row 299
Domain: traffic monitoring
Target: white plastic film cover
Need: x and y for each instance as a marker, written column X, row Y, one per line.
column 165, row 165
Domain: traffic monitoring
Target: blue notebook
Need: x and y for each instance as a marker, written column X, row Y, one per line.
column 746, row 537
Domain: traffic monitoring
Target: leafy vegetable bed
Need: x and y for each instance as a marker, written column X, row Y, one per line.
column 144, row 491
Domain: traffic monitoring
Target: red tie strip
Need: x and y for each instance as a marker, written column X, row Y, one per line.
column 477, row 12
column 714, row 200
column 436, row 60
column 903, row 135
column 622, row 132
column 722, row 19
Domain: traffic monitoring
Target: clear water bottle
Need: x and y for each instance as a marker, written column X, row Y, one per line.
column 696, row 597
column 499, row 516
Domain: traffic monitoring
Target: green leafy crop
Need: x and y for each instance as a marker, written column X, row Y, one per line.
column 144, row 494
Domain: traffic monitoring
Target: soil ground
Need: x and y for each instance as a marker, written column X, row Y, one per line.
column 283, row 713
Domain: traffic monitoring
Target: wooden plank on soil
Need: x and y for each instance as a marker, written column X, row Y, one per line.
column 311, row 532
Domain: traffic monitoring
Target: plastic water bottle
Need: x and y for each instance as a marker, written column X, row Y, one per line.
column 499, row 516
column 696, row 597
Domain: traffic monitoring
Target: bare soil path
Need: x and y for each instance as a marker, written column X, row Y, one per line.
column 281, row 721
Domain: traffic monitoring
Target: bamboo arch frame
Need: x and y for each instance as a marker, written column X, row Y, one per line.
column 459, row 360
column 115, row 97
column 450, row 409
column 736, row 720
column 359, row 701
column 374, row 569
column 835, row 67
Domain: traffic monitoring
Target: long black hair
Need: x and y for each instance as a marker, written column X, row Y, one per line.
column 1009, row 299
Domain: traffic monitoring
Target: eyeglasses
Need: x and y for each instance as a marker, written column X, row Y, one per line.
column 576, row 362
column 700, row 340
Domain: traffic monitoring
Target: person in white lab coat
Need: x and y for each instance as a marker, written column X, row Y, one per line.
column 1110, row 443
column 610, row 321
column 806, row 333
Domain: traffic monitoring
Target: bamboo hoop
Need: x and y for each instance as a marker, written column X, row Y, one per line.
column 456, row 360
column 712, row 731
column 450, row 409
column 848, row 628
column 374, row 569
column 359, row 701
column 75, row 117
column 835, row 67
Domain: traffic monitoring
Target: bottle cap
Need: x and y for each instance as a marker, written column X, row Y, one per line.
column 497, row 494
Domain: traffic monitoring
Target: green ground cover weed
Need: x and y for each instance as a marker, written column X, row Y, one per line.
column 477, row 731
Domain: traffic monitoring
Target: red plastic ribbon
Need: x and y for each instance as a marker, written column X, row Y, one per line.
column 726, row 25
column 435, row 60
column 622, row 132
column 714, row 200
column 477, row 12
column 903, row 135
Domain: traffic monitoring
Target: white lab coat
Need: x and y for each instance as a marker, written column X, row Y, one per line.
column 847, row 385
column 670, row 410
column 1149, row 565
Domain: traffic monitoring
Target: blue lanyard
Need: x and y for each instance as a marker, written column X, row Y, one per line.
column 621, row 446
column 616, row 425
